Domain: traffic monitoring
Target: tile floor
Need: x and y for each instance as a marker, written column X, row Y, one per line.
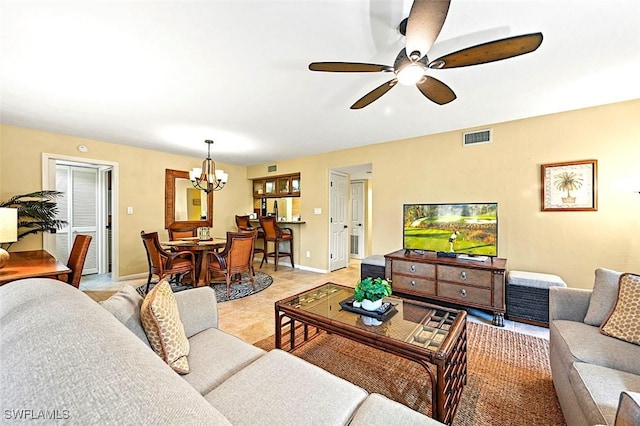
column 252, row 318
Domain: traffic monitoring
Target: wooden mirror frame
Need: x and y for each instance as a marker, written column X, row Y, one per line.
column 170, row 221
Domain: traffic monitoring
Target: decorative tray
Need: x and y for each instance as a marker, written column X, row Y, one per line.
column 347, row 305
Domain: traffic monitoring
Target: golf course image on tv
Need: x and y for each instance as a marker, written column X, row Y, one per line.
column 470, row 228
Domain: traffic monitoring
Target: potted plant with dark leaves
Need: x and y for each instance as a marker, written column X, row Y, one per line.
column 369, row 293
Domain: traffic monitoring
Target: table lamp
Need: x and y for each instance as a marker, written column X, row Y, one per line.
column 8, row 231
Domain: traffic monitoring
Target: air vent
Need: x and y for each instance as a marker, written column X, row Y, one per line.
column 477, row 137
column 272, row 168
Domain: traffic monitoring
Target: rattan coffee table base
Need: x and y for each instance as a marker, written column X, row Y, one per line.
column 446, row 366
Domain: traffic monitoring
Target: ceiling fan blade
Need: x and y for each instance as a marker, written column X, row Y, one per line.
column 424, row 24
column 348, row 67
column 490, row 52
column 374, row 94
column 436, row 90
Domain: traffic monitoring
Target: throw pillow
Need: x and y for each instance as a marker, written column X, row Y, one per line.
column 161, row 322
column 603, row 297
column 125, row 306
column 624, row 321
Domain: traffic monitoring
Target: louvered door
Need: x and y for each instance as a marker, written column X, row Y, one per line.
column 79, row 207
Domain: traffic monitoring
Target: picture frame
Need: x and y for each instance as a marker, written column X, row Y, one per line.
column 570, row 186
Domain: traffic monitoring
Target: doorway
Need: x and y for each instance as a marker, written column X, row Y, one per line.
column 89, row 206
column 357, row 209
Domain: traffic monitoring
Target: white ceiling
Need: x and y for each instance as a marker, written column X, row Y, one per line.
column 166, row 75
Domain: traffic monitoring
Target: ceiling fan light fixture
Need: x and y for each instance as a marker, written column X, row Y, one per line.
column 411, row 73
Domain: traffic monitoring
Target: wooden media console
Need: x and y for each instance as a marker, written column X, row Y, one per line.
column 461, row 282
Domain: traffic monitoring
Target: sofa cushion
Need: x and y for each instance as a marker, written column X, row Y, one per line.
column 246, row 398
column 378, row 410
column 161, row 321
column 603, row 297
column 628, row 409
column 598, row 390
column 198, row 309
column 59, row 350
column 624, row 321
column 215, row 356
column 577, row 341
column 125, row 306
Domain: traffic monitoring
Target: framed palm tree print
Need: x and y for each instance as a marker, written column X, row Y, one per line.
column 570, row 186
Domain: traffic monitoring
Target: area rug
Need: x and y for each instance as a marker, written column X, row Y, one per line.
column 237, row 291
column 509, row 377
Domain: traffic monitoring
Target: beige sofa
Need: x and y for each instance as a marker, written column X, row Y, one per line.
column 596, row 377
column 66, row 359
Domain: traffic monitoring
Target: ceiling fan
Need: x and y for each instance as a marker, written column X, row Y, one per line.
column 421, row 28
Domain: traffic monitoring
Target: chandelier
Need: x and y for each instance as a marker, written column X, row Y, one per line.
column 207, row 178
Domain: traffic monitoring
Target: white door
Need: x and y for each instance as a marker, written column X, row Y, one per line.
column 356, row 242
column 338, row 226
column 79, row 207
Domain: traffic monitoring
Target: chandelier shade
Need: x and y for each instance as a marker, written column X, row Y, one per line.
column 207, row 177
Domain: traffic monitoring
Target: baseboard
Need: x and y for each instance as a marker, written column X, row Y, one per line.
column 134, row 276
column 310, row 269
column 527, row 321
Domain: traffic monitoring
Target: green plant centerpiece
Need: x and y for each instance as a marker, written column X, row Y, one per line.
column 369, row 293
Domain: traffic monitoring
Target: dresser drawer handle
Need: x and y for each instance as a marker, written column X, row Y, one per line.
column 463, row 293
column 412, row 268
column 463, row 275
column 413, row 283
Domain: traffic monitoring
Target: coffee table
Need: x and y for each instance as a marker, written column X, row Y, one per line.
column 433, row 336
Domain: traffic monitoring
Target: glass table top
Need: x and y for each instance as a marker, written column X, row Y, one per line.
column 420, row 324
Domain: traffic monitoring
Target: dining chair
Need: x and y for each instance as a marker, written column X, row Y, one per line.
column 276, row 235
column 77, row 258
column 244, row 224
column 177, row 233
column 236, row 258
column 163, row 263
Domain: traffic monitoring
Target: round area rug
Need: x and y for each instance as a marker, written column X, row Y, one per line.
column 238, row 290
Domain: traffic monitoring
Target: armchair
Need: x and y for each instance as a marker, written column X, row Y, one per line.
column 163, row 263
column 236, row 258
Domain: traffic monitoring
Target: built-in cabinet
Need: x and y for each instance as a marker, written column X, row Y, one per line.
column 277, row 186
column 460, row 282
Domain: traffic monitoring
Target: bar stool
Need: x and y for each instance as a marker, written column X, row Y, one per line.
column 276, row 235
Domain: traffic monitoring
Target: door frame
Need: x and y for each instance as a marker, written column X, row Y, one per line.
column 363, row 219
column 48, row 172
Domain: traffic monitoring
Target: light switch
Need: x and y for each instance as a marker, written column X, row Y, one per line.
column 317, row 210
column 129, row 210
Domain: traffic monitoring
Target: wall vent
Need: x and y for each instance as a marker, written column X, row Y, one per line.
column 477, row 137
column 272, row 168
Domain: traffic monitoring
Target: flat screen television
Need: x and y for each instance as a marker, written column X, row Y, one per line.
column 466, row 228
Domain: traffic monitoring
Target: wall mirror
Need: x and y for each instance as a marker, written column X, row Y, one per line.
column 184, row 205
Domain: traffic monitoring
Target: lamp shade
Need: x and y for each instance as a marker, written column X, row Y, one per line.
column 8, row 225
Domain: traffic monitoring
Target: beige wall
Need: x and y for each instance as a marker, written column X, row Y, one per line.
column 438, row 169
column 425, row 169
column 141, row 185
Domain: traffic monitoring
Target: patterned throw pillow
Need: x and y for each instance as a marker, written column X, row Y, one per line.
column 624, row 320
column 161, row 322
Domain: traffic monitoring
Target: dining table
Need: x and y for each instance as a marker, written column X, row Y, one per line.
column 201, row 250
column 32, row 264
